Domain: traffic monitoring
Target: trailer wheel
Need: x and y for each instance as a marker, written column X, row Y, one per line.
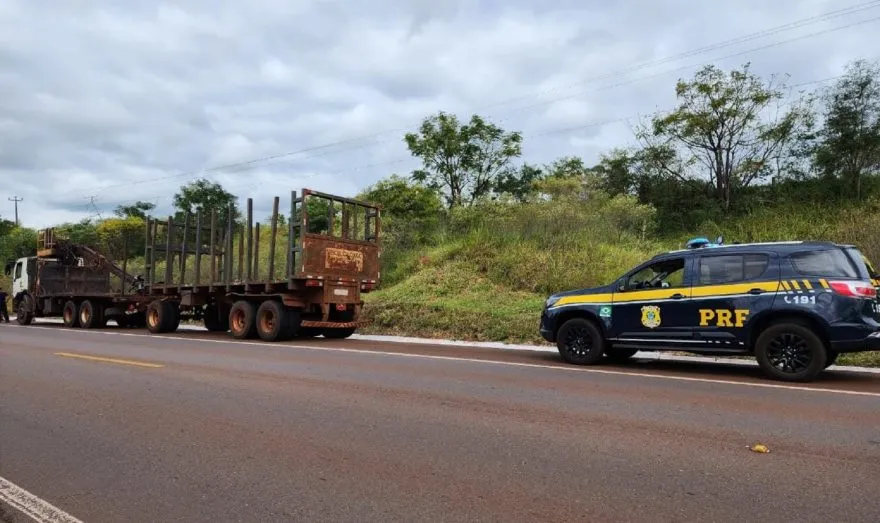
column 214, row 321
column 70, row 315
column 162, row 317
column 242, row 316
column 273, row 321
column 91, row 315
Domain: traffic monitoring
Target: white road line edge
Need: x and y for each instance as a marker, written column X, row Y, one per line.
column 36, row 508
column 325, row 348
column 643, row 355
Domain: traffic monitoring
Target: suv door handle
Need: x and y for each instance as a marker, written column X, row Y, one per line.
column 677, row 296
column 756, row 291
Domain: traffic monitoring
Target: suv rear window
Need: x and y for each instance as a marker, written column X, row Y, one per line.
column 732, row 268
column 831, row 263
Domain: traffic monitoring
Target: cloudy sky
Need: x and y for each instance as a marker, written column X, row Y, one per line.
column 110, row 102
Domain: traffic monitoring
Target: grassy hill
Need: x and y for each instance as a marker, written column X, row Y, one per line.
column 487, row 275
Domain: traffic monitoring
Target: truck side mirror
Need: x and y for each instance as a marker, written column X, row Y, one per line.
column 7, row 270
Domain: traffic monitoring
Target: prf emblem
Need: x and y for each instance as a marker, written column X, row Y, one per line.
column 651, row 316
column 723, row 317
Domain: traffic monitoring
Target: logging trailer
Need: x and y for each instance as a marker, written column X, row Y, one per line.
column 210, row 267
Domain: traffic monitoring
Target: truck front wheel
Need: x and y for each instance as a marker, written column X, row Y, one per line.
column 25, row 310
column 242, row 320
column 580, row 342
column 162, row 317
column 70, row 315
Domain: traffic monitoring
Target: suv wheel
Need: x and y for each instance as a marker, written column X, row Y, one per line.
column 790, row 352
column 580, row 342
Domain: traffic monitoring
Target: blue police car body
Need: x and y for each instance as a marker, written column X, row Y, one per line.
column 793, row 305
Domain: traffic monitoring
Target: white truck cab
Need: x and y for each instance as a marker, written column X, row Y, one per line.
column 20, row 277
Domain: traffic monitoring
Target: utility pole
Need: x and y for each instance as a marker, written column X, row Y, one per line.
column 16, row 199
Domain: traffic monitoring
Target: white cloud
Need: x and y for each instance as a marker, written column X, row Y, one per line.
column 126, row 101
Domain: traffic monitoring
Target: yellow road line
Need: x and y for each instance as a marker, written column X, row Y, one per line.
column 110, row 360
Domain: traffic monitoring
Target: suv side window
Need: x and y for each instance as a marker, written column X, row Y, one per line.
column 661, row 275
column 831, row 263
column 731, row 268
column 18, row 267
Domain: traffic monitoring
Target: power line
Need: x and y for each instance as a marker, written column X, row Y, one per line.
column 694, row 52
column 15, row 200
column 682, row 68
column 766, row 32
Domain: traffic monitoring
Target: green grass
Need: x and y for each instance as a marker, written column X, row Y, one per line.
column 486, row 276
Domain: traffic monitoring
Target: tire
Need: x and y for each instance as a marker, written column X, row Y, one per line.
column 619, row 355
column 242, row 320
column 25, row 310
column 162, row 317
column 338, row 334
column 790, row 352
column 91, row 315
column 273, row 321
column 580, row 342
column 214, row 321
column 70, row 315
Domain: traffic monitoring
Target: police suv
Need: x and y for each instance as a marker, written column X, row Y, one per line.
column 794, row 306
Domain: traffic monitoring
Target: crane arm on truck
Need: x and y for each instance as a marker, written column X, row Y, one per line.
column 68, row 252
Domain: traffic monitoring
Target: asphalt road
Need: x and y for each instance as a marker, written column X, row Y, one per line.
column 209, row 429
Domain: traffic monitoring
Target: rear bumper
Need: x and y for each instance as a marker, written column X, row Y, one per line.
column 335, row 324
column 871, row 342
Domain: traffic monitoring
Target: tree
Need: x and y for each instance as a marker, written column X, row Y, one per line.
column 849, row 141
column 720, row 132
column 566, row 167
column 617, row 172
column 120, row 238
column 464, row 161
column 6, row 226
column 205, row 196
column 83, row 232
column 16, row 243
column 411, row 212
column 403, row 200
column 519, row 183
column 138, row 209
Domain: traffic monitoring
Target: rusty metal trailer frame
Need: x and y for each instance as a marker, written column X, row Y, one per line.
column 236, row 273
column 315, row 287
column 220, row 248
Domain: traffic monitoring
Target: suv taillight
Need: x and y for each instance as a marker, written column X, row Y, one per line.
column 854, row 289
